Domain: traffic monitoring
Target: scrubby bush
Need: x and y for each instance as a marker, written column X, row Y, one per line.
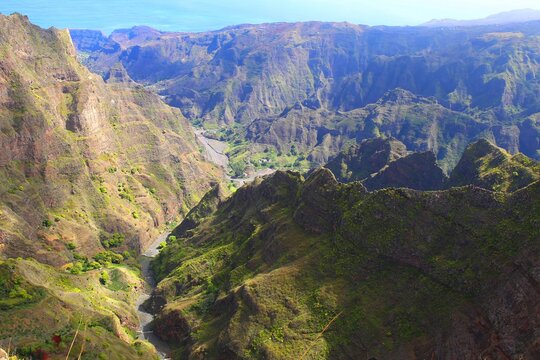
column 113, row 241
column 77, row 268
column 105, row 258
column 47, row 223
column 104, row 277
column 238, row 168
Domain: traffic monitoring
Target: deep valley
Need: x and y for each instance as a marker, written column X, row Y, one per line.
column 310, row 190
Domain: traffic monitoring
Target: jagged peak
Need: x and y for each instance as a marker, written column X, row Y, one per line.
column 321, row 177
column 482, row 147
column 402, row 97
column 488, row 166
column 397, row 95
column 417, row 171
column 16, row 15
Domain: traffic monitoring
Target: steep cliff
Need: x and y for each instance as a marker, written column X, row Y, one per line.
column 90, row 173
column 82, row 159
column 358, row 162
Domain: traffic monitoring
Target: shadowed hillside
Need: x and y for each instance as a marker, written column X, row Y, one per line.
column 311, row 268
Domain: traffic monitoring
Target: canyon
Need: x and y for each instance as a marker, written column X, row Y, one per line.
column 275, row 191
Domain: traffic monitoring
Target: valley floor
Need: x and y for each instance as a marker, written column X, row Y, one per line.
column 145, row 331
column 214, row 151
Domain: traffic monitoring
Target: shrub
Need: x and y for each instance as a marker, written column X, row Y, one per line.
column 294, row 152
column 127, row 196
column 92, row 265
column 106, row 258
column 47, row 223
column 77, row 268
column 238, row 168
column 19, row 292
column 104, row 278
column 71, row 246
column 115, row 240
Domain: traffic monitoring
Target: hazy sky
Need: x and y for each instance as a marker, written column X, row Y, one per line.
column 200, row 15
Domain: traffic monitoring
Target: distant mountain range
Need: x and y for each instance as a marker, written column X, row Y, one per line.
column 426, row 248
column 287, row 93
column 507, row 17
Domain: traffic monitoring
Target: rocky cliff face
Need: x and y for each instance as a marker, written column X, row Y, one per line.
column 285, row 82
column 313, row 267
column 83, row 159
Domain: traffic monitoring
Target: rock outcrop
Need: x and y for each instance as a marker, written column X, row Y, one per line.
column 418, row 171
column 358, row 162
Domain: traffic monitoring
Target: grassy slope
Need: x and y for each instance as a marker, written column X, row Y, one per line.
column 39, row 302
column 395, row 280
column 487, row 166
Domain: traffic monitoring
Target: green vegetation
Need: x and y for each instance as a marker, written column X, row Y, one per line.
column 279, row 277
column 125, row 193
column 89, row 317
column 103, row 259
column 47, row 223
column 15, row 291
column 488, row 166
column 104, row 278
column 113, row 241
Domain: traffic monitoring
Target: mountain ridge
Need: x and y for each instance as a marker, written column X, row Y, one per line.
column 265, row 87
column 59, row 118
column 292, row 256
